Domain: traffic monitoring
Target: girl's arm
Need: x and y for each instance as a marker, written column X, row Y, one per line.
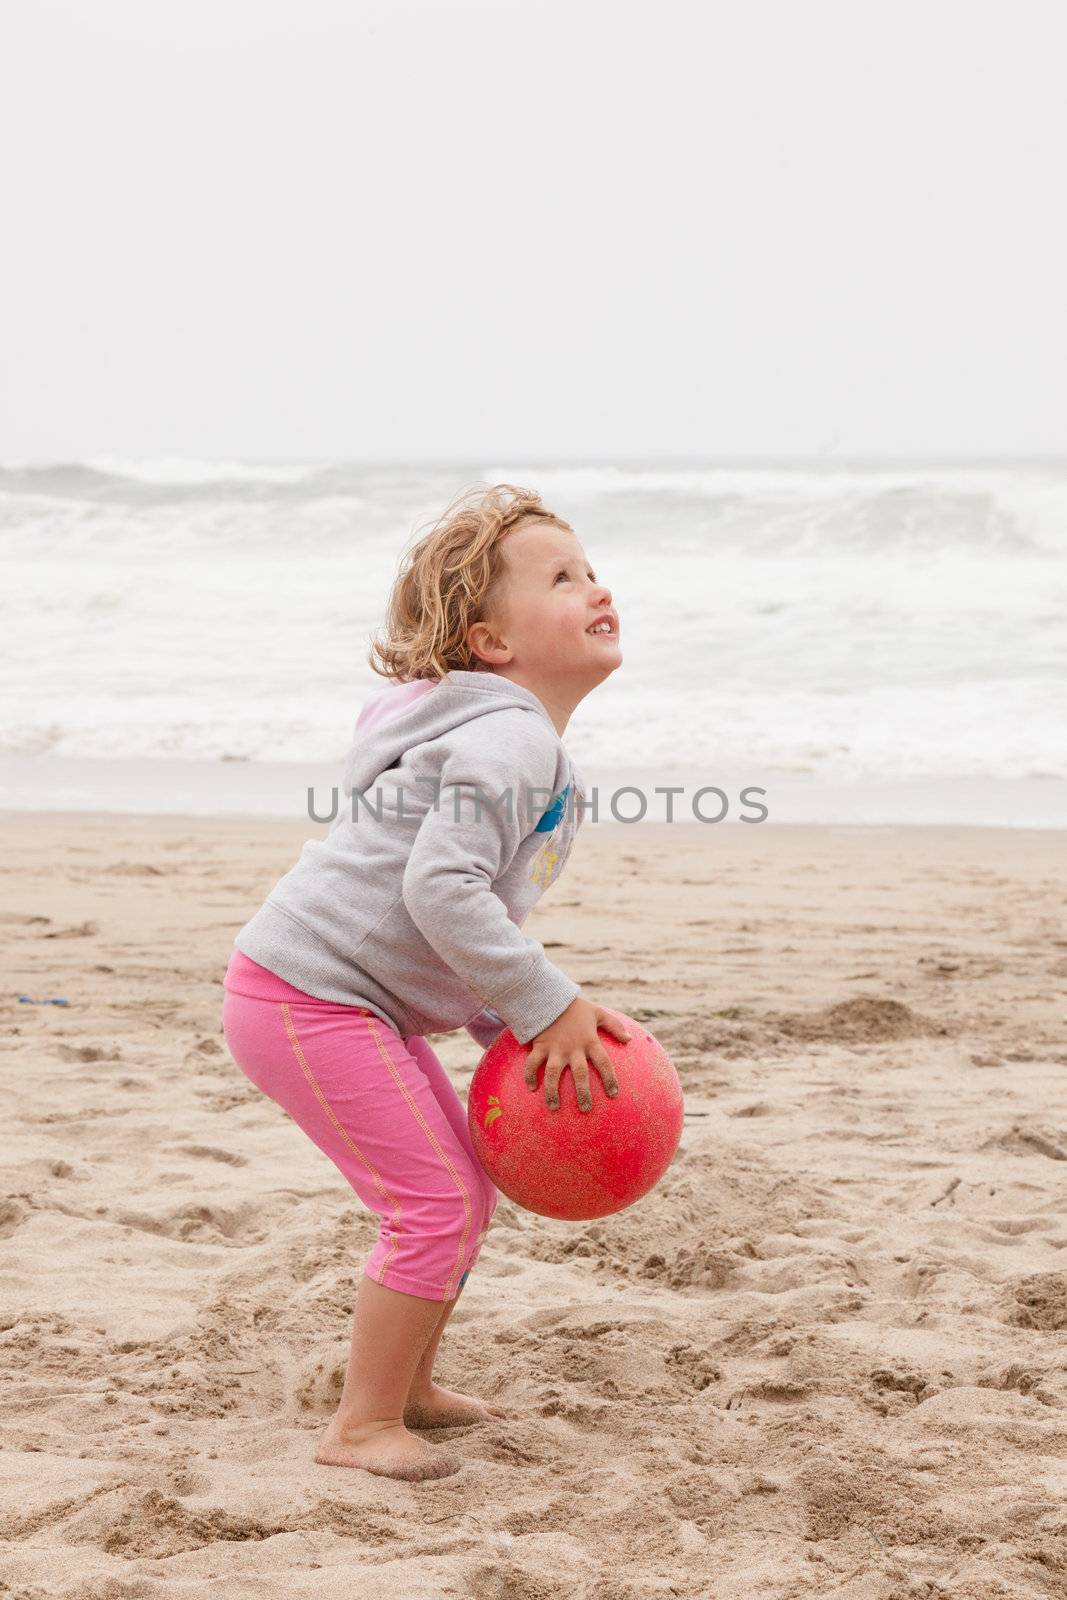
column 462, row 846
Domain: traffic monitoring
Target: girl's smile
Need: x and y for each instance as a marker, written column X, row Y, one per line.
column 606, row 626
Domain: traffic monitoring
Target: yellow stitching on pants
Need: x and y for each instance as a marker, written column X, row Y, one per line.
column 382, row 1190
column 428, row 1131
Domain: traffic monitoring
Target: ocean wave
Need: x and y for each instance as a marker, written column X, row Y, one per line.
column 107, row 481
column 827, row 621
column 799, row 510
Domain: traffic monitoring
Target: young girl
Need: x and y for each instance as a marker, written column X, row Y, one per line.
column 460, row 809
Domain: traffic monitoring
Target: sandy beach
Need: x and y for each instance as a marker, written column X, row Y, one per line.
column 827, row 1355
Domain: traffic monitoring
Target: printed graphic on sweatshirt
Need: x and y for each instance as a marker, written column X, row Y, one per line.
column 551, row 818
column 544, row 862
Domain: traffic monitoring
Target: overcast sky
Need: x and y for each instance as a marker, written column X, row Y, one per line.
column 446, row 229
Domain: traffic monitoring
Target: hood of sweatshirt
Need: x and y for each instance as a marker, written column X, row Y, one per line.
column 416, row 910
column 402, row 715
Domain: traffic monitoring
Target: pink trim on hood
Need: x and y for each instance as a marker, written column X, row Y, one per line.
column 384, row 704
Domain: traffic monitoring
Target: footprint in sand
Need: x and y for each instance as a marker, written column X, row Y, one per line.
column 692, row 1367
column 200, row 1224
column 227, row 1099
column 132, row 1523
column 1027, row 1138
column 700, row 1267
column 1041, row 1301
column 88, row 1052
column 12, row 1215
column 549, row 1318
column 211, row 1153
column 903, row 1381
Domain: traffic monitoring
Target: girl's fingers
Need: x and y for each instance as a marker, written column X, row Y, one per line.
column 553, row 1073
column 603, row 1063
column 579, row 1063
column 580, row 1069
column 613, row 1025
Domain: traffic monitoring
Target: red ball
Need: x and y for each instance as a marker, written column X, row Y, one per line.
column 569, row 1163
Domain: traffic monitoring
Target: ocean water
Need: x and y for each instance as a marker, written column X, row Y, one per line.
column 838, row 625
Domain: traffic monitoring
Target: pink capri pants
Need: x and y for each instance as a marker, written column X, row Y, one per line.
column 383, row 1110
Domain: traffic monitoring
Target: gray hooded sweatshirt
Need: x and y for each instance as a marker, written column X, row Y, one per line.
column 460, row 807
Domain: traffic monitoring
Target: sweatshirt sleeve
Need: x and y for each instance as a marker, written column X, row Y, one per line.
column 485, row 1027
column 466, row 841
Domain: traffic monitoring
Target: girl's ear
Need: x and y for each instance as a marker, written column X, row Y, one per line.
column 486, row 643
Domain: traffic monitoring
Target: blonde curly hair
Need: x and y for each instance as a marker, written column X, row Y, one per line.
column 448, row 580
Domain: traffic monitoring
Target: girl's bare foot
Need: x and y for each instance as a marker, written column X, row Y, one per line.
column 445, row 1408
column 385, row 1448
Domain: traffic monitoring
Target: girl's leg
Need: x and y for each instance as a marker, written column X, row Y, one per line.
column 456, row 1114
column 389, row 1335
column 422, row 1384
column 349, row 1082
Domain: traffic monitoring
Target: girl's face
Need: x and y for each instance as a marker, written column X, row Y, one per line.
column 550, row 599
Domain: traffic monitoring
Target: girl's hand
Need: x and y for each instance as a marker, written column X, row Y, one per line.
column 568, row 1042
